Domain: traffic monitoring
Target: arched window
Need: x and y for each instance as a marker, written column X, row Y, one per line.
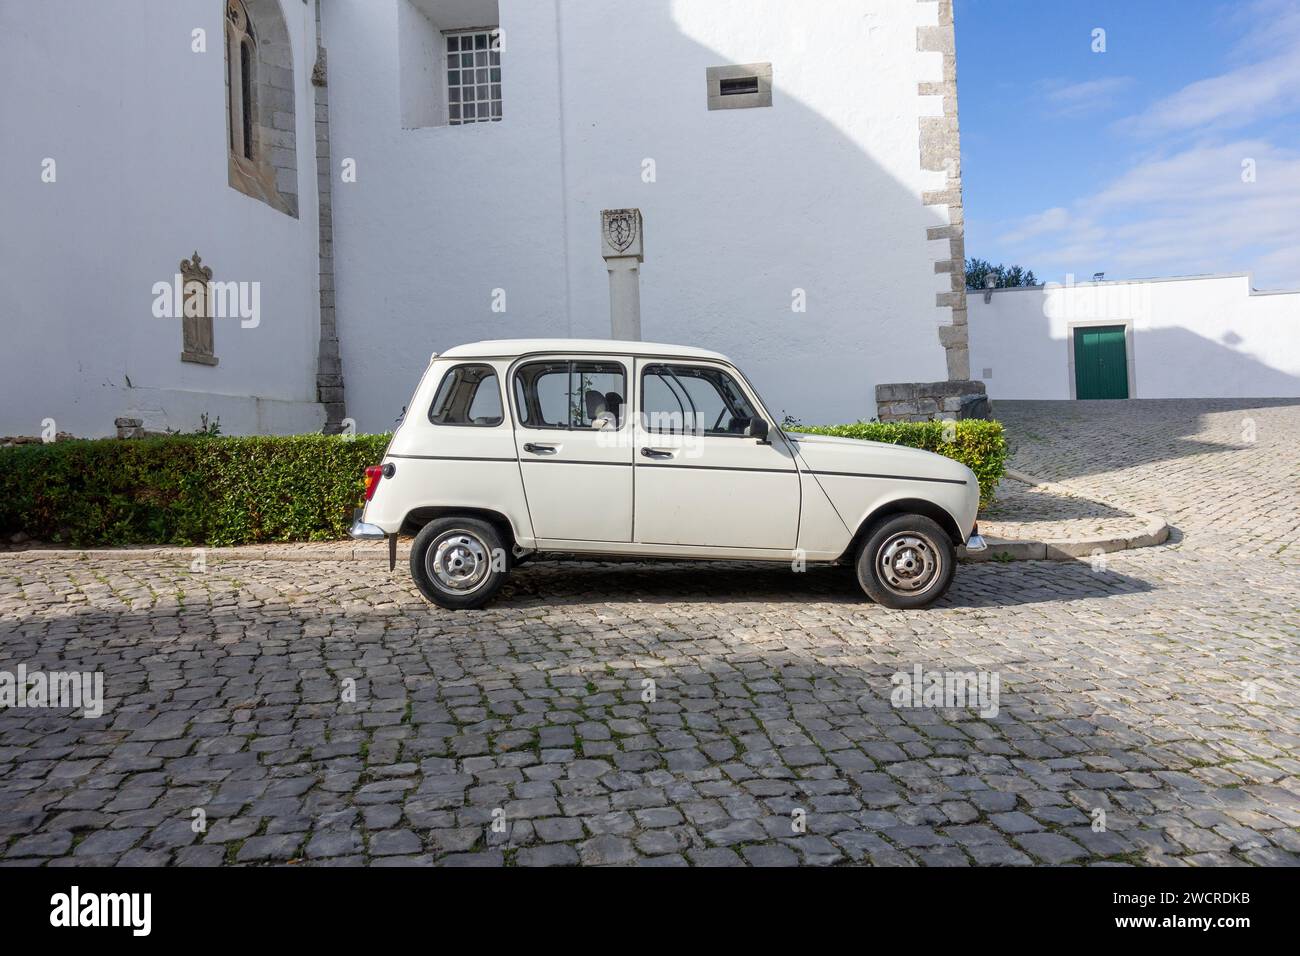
column 260, row 93
column 241, row 79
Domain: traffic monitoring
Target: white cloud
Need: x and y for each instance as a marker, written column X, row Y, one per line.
column 1228, row 101
column 1183, row 213
column 1074, row 99
column 1266, row 84
column 1184, row 208
column 1048, row 221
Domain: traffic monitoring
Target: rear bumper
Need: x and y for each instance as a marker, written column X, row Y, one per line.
column 365, row 532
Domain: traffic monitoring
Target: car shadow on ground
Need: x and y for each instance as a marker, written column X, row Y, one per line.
column 561, row 582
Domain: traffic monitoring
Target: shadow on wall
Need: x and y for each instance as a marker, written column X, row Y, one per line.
column 815, row 209
column 1168, row 362
column 1179, row 363
column 748, row 206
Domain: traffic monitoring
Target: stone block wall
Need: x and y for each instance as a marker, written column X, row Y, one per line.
column 940, row 144
column 926, row 401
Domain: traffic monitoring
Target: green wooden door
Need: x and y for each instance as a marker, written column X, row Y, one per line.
column 1100, row 364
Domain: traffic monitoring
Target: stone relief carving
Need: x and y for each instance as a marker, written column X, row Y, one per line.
column 621, row 232
column 196, row 315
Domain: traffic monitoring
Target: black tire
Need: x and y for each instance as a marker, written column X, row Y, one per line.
column 459, row 563
column 906, row 562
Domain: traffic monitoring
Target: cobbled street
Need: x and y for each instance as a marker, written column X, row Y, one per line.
column 1147, row 709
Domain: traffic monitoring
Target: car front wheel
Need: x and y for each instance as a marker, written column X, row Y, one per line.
column 906, row 562
column 459, row 563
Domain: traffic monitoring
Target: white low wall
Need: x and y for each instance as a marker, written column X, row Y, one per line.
column 1201, row 337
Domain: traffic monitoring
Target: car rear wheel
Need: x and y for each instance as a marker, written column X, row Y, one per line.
column 907, row 561
column 459, row 563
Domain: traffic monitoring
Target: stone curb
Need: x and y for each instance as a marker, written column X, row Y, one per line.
column 1155, row 531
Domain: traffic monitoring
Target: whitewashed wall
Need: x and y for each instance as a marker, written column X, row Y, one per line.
column 1208, row 337
column 820, row 192
column 136, row 124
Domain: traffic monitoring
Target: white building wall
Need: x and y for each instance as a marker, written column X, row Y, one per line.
column 820, row 192
column 1206, row 337
column 136, row 124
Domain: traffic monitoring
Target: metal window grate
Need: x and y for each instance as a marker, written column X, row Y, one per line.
column 473, row 77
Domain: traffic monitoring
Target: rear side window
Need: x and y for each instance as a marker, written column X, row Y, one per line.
column 468, row 395
column 571, row 394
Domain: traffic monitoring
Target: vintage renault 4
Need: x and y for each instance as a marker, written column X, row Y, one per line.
column 591, row 447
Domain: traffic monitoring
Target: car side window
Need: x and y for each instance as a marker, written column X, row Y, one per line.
column 468, row 395
column 571, row 394
column 693, row 399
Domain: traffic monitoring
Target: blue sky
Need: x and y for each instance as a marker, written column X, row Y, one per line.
column 1130, row 161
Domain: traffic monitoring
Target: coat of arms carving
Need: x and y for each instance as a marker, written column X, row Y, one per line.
column 622, row 231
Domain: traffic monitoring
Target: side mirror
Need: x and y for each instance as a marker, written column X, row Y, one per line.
column 757, row 429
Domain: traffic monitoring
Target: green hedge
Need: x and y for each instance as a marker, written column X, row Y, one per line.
column 185, row 489
column 977, row 443
column 190, row 490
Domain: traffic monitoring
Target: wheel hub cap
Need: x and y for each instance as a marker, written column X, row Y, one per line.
column 907, row 562
column 457, row 561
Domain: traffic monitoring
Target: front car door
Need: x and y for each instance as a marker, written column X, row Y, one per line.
column 700, row 481
column 571, row 430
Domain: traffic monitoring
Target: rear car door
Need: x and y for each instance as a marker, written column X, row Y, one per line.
column 571, row 435
column 699, row 479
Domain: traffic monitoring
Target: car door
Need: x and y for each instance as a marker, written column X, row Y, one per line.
column 571, row 435
column 699, row 479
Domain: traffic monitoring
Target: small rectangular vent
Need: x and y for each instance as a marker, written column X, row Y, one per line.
column 738, row 86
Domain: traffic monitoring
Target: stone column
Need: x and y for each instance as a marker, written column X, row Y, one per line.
column 329, row 363
column 623, row 250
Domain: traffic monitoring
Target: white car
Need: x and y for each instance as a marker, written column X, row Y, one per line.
column 594, row 447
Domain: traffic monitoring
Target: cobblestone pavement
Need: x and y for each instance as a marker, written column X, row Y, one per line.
column 1024, row 512
column 1223, row 472
column 1147, row 710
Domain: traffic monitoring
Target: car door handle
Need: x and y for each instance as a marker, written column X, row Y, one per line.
column 539, row 449
column 655, row 453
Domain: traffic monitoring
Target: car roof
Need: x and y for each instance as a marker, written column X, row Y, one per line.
column 505, row 348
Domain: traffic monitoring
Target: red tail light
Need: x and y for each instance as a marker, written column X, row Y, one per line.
column 373, row 474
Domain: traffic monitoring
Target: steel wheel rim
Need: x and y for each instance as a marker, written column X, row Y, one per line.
column 907, row 563
column 458, row 562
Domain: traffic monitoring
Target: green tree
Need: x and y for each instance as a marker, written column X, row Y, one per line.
column 1004, row 277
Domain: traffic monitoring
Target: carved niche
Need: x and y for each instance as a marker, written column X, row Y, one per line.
column 196, row 312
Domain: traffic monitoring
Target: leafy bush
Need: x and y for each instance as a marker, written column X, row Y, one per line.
column 185, row 489
column 975, row 442
column 192, row 489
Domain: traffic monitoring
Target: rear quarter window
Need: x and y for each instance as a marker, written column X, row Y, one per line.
column 468, row 395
